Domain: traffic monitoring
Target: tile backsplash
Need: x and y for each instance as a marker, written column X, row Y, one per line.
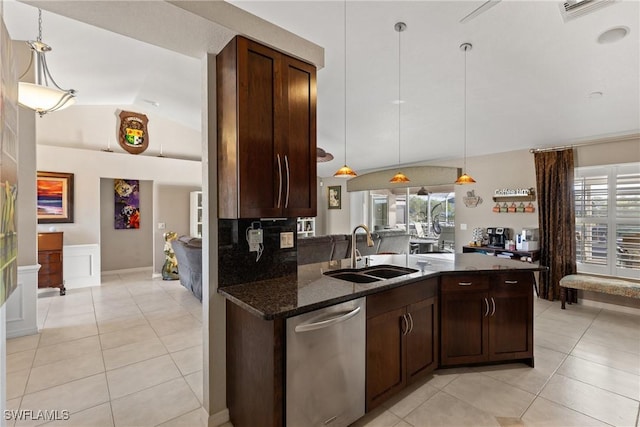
column 237, row 265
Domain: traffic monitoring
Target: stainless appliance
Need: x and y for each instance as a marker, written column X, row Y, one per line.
column 326, row 366
column 528, row 240
column 497, row 236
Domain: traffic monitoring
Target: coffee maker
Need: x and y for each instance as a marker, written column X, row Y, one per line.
column 497, row 237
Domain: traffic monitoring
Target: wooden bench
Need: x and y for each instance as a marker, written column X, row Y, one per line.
column 605, row 285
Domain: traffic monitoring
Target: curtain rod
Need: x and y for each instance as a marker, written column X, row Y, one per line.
column 598, row 141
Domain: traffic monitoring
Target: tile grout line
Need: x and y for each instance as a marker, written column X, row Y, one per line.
column 537, row 395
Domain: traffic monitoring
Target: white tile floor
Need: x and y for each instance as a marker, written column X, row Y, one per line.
column 129, row 353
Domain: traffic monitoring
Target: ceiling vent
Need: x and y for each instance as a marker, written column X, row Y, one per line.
column 573, row 9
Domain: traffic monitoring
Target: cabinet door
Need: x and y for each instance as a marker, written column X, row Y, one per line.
column 260, row 165
column 511, row 317
column 464, row 327
column 422, row 339
column 385, row 360
column 299, row 123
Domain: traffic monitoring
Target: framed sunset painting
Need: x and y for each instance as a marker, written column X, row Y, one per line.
column 55, row 197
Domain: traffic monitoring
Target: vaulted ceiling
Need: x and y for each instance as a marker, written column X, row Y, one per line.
column 533, row 80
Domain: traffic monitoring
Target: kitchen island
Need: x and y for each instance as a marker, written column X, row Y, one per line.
column 452, row 310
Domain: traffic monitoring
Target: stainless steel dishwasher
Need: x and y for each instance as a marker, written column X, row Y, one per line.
column 326, row 366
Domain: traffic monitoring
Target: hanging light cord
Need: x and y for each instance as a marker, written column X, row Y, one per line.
column 400, row 29
column 465, row 109
column 39, row 25
column 345, row 82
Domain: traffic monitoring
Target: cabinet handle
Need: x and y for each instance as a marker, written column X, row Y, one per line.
column 280, row 180
column 411, row 322
column 464, row 283
column 286, row 164
column 405, row 325
column 486, row 304
column 511, row 282
column 493, row 302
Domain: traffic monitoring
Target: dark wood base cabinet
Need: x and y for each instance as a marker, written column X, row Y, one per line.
column 50, row 260
column 411, row 330
column 255, row 369
column 486, row 318
column 402, row 339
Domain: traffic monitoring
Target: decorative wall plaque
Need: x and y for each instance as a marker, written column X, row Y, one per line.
column 133, row 135
column 471, row 200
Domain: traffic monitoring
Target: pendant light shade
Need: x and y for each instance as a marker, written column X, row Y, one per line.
column 422, row 191
column 399, row 177
column 345, row 171
column 464, row 178
column 44, row 96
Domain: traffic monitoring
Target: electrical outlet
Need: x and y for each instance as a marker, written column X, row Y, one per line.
column 286, row 240
column 255, row 240
column 463, row 226
column 162, row 226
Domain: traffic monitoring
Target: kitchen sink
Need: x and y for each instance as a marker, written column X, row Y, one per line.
column 370, row 274
column 387, row 271
column 354, row 277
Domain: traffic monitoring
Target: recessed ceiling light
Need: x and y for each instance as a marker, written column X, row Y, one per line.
column 595, row 95
column 613, row 35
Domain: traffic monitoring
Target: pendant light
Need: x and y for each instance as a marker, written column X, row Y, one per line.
column 399, row 177
column 39, row 96
column 345, row 171
column 464, row 178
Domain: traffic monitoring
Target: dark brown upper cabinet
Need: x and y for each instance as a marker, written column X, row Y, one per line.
column 266, row 107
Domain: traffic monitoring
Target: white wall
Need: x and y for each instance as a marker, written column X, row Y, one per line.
column 126, row 249
column 89, row 166
column 93, row 127
column 514, row 169
column 334, row 221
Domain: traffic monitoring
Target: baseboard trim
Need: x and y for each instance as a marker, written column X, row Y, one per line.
column 219, row 418
column 21, row 332
column 129, row 270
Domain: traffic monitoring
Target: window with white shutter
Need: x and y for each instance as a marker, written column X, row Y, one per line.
column 607, row 204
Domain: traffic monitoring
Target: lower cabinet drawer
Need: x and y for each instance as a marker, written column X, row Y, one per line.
column 513, row 283
column 463, row 282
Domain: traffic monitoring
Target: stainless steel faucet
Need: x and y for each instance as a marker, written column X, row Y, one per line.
column 354, row 260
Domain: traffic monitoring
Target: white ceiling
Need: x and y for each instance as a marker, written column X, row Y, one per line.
column 529, row 74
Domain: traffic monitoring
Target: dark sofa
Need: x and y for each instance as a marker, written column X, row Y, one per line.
column 338, row 246
column 188, row 252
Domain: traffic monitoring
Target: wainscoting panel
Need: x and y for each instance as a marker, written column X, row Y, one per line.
column 22, row 312
column 81, row 266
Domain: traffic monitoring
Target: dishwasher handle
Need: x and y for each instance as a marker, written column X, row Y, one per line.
column 306, row 327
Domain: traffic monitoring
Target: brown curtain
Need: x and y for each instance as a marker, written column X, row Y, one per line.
column 556, row 216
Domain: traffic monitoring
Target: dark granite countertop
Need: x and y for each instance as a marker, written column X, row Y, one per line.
column 310, row 289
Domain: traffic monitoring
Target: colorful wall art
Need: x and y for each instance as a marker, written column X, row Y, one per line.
column 55, row 197
column 127, row 203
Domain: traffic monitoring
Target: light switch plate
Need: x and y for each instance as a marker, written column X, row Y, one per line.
column 286, row 240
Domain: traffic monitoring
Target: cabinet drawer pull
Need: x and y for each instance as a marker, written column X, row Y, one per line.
column 486, row 304
column 279, row 180
column 464, row 283
column 511, row 282
column 405, row 325
column 286, row 164
column 411, row 323
column 493, row 302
